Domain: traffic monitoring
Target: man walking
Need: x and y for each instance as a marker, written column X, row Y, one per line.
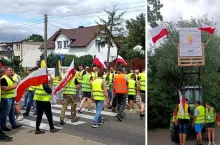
column 3, row 136
column 69, row 98
column 210, row 123
column 199, row 120
column 100, row 94
column 132, row 88
column 8, row 86
column 86, row 89
column 42, row 97
column 120, row 89
column 142, row 88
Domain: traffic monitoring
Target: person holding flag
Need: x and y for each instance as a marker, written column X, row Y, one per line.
column 182, row 118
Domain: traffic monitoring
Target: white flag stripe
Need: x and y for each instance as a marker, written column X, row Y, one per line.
column 206, row 26
column 77, row 114
column 155, row 31
column 31, row 123
column 86, row 110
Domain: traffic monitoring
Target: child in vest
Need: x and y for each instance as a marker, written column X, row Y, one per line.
column 132, row 88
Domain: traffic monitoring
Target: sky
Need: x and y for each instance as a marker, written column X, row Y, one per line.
column 21, row 18
column 174, row 9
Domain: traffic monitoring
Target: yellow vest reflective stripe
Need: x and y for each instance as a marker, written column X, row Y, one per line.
column 40, row 94
column 201, row 117
column 131, row 87
column 142, row 81
column 31, row 88
column 80, row 77
column 97, row 91
column 86, row 85
column 56, row 81
column 8, row 94
column 186, row 114
column 70, row 88
column 209, row 115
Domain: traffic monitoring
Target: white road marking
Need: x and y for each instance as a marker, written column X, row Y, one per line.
column 31, row 123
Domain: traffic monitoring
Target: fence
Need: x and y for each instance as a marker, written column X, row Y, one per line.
column 134, row 64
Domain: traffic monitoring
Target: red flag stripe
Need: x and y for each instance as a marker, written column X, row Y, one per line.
column 208, row 29
column 162, row 33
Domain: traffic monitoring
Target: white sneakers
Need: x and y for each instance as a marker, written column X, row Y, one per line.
column 20, row 117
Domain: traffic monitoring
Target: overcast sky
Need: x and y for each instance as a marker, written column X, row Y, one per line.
column 21, row 18
column 174, row 9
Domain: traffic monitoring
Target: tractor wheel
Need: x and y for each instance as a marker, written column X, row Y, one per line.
column 174, row 133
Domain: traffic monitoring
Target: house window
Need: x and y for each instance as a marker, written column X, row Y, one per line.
column 97, row 44
column 18, row 47
column 59, row 44
column 65, row 44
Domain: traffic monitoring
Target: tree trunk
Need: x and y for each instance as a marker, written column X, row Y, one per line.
column 108, row 55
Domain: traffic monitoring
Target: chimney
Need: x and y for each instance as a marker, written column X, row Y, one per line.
column 81, row 26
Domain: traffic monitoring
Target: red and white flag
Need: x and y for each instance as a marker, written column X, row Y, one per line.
column 158, row 32
column 67, row 77
column 207, row 28
column 99, row 62
column 36, row 78
column 121, row 60
column 182, row 104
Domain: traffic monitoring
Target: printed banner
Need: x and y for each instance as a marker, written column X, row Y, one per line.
column 190, row 42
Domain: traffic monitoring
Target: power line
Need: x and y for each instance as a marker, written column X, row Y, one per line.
column 53, row 25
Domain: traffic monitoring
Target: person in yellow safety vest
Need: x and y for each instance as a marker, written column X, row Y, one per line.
column 94, row 73
column 19, row 116
column 80, row 75
column 182, row 119
column 142, row 89
column 42, row 97
column 100, row 94
column 199, row 120
column 109, row 79
column 69, row 96
column 129, row 75
column 210, row 119
column 132, row 88
column 30, row 96
column 3, row 136
column 8, row 86
column 86, row 89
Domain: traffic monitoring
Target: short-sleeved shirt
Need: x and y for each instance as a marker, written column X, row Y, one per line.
column 4, row 82
column 196, row 112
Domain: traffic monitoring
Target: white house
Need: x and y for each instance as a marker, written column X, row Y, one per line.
column 79, row 41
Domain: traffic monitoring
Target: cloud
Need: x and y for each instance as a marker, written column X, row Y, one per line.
column 61, row 14
column 3, row 22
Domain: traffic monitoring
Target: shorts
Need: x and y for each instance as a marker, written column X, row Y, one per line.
column 130, row 97
column 87, row 94
column 110, row 95
column 210, row 125
column 143, row 97
column 183, row 128
column 198, row 127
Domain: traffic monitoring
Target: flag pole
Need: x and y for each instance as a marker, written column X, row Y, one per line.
column 208, row 41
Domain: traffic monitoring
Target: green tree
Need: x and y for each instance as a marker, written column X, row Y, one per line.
column 153, row 12
column 35, row 38
column 165, row 75
column 86, row 60
column 112, row 25
column 136, row 31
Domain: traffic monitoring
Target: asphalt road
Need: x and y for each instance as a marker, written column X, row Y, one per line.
column 129, row 132
column 162, row 137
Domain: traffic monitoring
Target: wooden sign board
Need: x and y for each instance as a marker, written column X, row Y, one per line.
column 195, row 61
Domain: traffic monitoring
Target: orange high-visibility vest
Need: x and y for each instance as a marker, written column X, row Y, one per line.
column 120, row 85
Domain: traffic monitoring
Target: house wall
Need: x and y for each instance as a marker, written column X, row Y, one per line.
column 30, row 54
column 80, row 51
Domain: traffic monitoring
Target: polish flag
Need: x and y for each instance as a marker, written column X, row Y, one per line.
column 207, row 28
column 121, row 60
column 158, row 32
column 67, row 77
column 36, row 78
column 182, row 104
column 99, row 62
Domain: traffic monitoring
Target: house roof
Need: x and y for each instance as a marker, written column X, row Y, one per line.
column 80, row 37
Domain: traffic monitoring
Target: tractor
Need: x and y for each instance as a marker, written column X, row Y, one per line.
column 193, row 94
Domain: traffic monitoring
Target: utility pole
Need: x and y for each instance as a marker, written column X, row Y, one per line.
column 45, row 38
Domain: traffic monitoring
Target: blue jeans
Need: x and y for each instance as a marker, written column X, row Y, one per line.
column 1, row 109
column 98, row 116
column 183, row 128
column 30, row 101
column 8, row 110
column 110, row 93
column 26, row 99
